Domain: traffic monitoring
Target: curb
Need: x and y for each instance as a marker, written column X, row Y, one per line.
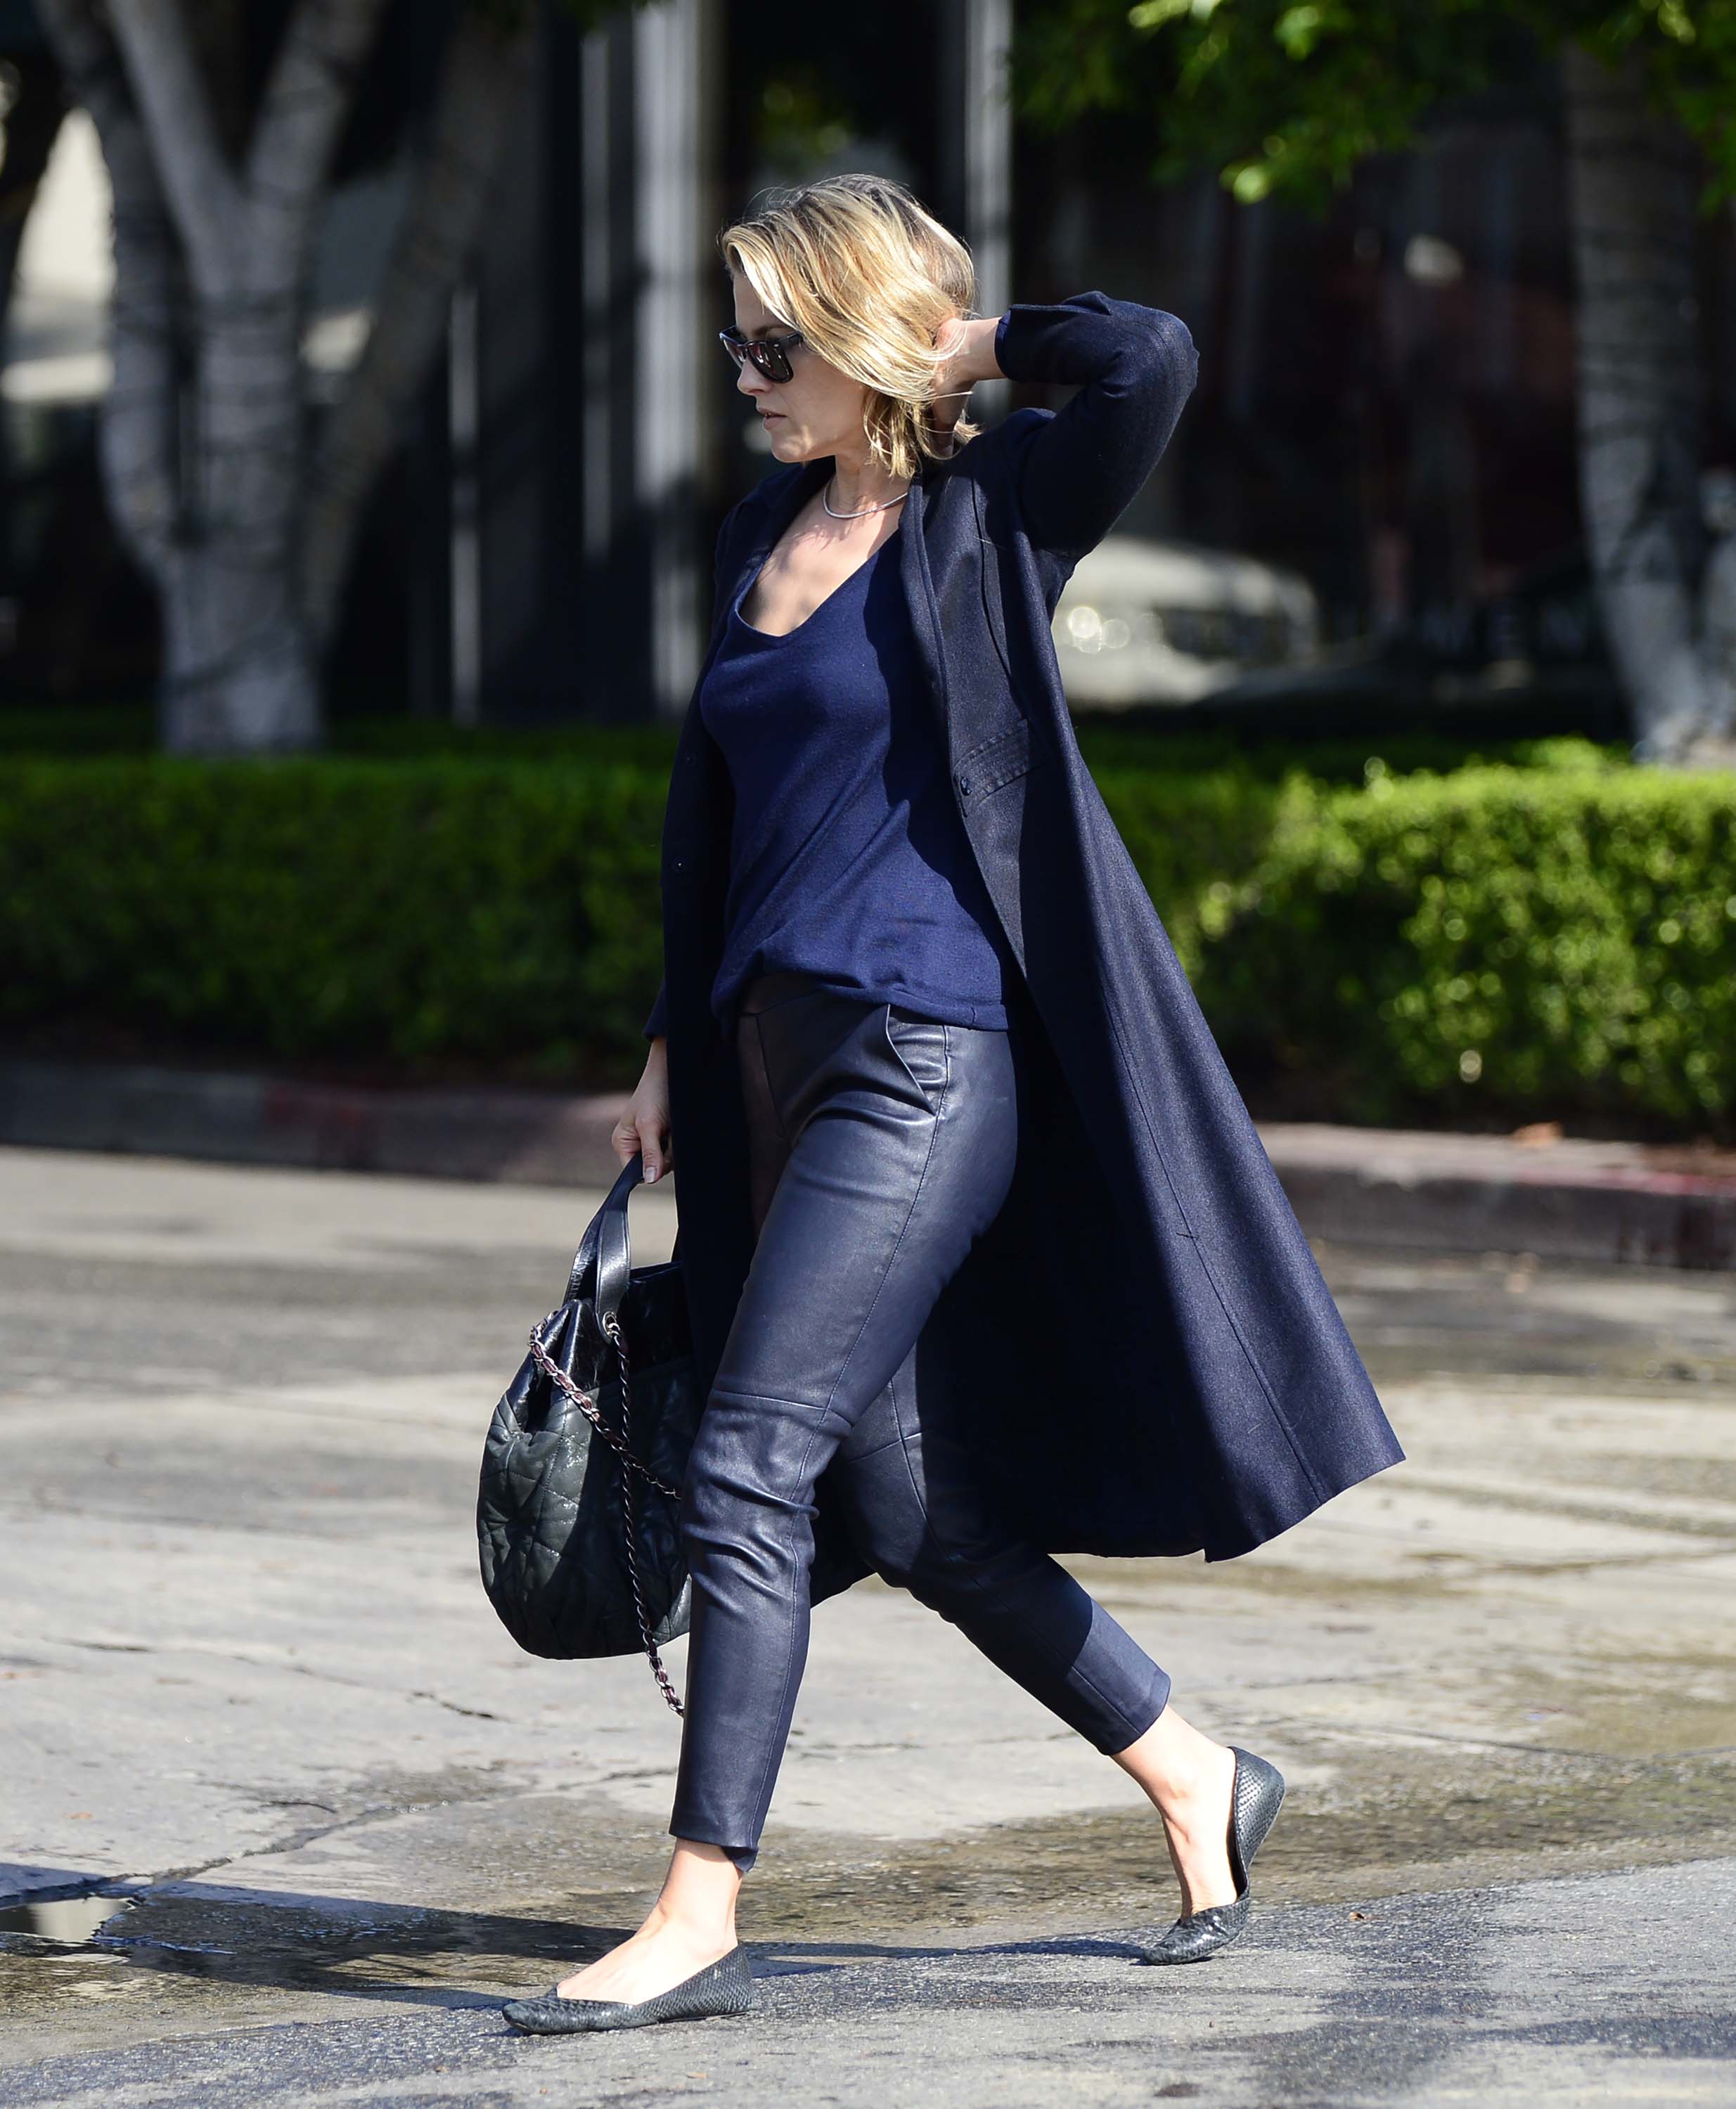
column 528, row 1138
column 1608, row 1202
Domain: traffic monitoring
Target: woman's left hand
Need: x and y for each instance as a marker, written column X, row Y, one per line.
column 972, row 348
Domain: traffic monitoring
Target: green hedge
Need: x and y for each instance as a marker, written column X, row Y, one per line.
column 1543, row 943
column 402, row 911
column 1552, row 939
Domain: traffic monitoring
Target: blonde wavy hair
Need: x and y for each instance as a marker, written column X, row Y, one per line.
column 868, row 275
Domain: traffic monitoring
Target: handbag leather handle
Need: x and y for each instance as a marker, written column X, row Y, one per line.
column 604, row 1263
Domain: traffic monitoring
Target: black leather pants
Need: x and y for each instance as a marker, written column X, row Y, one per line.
column 883, row 1145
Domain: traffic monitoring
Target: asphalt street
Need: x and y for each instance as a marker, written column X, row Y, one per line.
column 254, row 1697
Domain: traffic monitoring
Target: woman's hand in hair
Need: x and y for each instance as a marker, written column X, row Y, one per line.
column 644, row 1126
column 972, row 346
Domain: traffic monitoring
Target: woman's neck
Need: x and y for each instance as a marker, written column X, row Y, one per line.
column 858, row 483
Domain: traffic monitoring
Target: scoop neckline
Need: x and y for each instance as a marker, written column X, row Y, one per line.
column 781, row 636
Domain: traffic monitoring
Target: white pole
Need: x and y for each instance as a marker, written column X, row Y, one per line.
column 673, row 128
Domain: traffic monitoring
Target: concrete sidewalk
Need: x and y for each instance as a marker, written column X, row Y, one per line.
column 1601, row 1202
column 255, row 1696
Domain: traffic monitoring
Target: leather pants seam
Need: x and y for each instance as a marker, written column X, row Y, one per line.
column 861, row 1457
column 1109, row 1706
column 917, row 1493
column 771, row 1096
column 720, row 1390
column 1148, row 1724
column 774, row 1754
column 934, row 1122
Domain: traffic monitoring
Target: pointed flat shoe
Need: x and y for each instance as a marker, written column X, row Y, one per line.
column 1255, row 1797
column 723, row 1987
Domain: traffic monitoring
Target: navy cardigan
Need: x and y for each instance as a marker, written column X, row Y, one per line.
column 1158, row 1364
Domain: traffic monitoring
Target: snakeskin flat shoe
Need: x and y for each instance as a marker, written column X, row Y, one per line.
column 723, row 1987
column 1255, row 1797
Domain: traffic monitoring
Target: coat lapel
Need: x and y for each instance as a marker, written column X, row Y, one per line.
column 918, row 595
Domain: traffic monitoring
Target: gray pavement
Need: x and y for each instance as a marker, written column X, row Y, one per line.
column 251, row 1686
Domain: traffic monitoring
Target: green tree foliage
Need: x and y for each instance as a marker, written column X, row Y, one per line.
column 1286, row 99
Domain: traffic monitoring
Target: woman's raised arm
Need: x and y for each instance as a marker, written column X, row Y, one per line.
column 1078, row 470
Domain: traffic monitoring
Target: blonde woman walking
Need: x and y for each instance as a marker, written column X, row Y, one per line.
column 983, row 1255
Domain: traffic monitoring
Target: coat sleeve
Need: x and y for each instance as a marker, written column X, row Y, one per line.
column 1076, row 473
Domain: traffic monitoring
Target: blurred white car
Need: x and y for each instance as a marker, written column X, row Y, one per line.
column 1141, row 621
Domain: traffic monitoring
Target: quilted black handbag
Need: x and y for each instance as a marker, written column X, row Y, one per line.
column 577, row 1509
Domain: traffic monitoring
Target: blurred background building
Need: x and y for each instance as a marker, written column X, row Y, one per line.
column 1377, row 470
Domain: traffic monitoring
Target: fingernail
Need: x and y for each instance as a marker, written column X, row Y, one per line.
column 650, row 1171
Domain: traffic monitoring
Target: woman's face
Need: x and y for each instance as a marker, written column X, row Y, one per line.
column 818, row 411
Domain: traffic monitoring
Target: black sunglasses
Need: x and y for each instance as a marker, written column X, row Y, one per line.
column 770, row 355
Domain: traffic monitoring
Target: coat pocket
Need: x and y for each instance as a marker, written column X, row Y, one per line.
column 995, row 764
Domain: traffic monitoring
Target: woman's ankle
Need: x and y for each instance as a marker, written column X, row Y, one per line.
column 1173, row 1761
column 684, row 1923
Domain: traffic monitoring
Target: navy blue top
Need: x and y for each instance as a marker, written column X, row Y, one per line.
column 849, row 860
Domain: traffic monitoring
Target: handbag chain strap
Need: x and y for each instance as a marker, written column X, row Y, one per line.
column 620, row 1444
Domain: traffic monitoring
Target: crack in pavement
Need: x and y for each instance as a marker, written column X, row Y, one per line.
column 205, row 1651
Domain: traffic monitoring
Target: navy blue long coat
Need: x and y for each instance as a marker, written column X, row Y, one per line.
column 1153, row 1360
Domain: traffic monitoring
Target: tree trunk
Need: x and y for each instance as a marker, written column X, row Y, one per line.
column 137, row 436
column 239, row 672
column 1633, row 179
column 238, row 675
column 204, row 433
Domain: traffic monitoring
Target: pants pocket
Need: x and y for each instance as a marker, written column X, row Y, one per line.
column 922, row 1050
